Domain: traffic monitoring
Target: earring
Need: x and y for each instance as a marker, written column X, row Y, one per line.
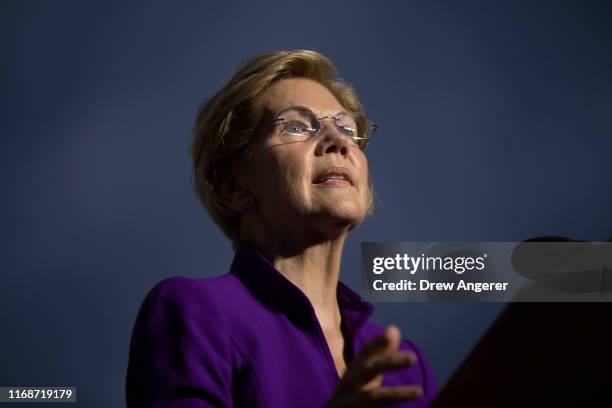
column 246, row 202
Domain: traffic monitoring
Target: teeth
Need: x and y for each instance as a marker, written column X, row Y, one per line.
column 335, row 178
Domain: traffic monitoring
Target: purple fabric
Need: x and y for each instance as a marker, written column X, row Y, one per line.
column 246, row 338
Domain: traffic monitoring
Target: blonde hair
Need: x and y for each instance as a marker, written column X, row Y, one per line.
column 228, row 122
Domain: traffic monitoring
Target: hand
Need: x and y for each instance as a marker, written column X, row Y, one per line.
column 361, row 385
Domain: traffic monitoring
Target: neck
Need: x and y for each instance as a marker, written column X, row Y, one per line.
column 314, row 267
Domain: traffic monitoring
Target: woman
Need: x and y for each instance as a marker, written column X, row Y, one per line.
column 279, row 164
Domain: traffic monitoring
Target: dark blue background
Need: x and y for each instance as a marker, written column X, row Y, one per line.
column 495, row 125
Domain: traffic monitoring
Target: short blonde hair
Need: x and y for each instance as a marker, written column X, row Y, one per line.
column 227, row 123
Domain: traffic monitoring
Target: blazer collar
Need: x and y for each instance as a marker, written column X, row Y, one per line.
column 278, row 293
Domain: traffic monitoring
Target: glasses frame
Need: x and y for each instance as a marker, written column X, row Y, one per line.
column 313, row 132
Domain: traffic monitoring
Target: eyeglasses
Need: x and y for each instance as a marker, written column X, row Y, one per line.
column 304, row 124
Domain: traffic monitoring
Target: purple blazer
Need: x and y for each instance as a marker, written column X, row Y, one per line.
column 249, row 338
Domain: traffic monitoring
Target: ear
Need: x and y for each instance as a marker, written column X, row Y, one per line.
column 232, row 189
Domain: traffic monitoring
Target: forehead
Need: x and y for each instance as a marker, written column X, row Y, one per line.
column 300, row 92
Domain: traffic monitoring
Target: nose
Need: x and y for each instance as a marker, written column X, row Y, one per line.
column 332, row 141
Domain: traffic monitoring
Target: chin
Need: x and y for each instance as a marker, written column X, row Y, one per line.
column 347, row 216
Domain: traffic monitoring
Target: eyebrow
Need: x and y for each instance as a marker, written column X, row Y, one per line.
column 303, row 108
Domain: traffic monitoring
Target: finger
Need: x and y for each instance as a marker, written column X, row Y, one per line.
column 383, row 395
column 359, row 375
column 392, row 332
column 381, row 363
column 387, row 340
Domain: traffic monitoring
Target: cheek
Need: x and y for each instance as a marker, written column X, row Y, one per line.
column 362, row 168
column 282, row 174
column 262, row 175
column 294, row 178
column 366, row 192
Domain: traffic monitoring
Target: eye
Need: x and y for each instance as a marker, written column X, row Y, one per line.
column 295, row 127
column 347, row 130
column 347, row 125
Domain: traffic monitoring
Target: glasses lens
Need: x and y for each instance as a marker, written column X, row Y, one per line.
column 297, row 122
column 347, row 125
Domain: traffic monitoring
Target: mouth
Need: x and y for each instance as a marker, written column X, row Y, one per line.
column 334, row 176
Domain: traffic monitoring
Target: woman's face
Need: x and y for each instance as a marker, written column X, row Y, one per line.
column 316, row 182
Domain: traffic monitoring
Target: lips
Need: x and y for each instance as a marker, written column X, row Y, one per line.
column 334, row 175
